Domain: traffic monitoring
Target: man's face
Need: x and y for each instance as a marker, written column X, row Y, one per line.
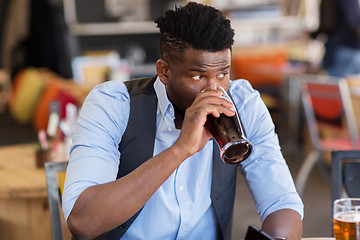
column 196, row 71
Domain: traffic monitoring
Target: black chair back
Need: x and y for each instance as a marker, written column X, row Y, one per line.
column 345, row 171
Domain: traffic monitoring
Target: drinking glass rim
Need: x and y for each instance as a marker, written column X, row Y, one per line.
column 339, row 200
column 346, row 199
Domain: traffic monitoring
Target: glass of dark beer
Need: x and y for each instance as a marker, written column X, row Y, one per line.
column 229, row 135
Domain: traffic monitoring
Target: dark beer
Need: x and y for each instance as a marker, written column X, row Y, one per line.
column 227, row 131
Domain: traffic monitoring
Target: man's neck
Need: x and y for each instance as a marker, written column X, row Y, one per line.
column 179, row 118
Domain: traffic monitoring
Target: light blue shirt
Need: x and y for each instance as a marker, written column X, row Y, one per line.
column 181, row 208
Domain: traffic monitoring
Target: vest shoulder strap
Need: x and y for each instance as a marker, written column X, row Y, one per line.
column 141, row 127
column 137, row 143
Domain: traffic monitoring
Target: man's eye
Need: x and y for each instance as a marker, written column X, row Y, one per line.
column 221, row 75
column 197, row 77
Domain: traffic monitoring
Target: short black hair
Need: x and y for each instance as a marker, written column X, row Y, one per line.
column 196, row 26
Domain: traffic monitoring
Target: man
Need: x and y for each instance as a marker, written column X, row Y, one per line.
column 144, row 167
column 340, row 22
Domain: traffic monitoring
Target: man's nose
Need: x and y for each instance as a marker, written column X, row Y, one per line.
column 212, row 84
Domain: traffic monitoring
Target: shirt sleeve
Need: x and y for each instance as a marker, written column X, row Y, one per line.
column 266, row 172
column 94, row 155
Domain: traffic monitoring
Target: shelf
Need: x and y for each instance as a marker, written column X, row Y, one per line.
column 266, row 25
column 281, row 22
column 148, row 27
column 118, row 28
column 95, row 29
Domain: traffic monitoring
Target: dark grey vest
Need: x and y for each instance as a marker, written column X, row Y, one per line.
column 137, row 146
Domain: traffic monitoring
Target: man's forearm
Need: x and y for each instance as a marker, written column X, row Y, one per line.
column 103, row 207
column 285, row 223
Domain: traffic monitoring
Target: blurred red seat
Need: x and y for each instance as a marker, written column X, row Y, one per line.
column 331, row 123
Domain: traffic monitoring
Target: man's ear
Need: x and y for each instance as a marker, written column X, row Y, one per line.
column 162, row 69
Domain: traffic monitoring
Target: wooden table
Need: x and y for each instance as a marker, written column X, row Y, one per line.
column 24, row 209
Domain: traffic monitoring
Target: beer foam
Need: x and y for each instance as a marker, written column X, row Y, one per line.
column 350, row 216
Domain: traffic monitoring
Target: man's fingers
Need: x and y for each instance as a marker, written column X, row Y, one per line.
column 211, row 97
column 216, row 110
column 209, row 108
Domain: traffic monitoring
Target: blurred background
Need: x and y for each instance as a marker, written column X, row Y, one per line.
column 58, row 50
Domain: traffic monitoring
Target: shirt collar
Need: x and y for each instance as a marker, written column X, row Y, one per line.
column 164, row 103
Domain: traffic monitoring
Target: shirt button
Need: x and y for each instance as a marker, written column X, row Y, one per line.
column 181, row 188
column 169, row 129
column 170, row 109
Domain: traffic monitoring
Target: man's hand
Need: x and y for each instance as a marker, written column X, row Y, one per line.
column 194, row 136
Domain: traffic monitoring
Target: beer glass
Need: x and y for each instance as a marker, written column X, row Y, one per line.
column 229, row 135
column 346, row 217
